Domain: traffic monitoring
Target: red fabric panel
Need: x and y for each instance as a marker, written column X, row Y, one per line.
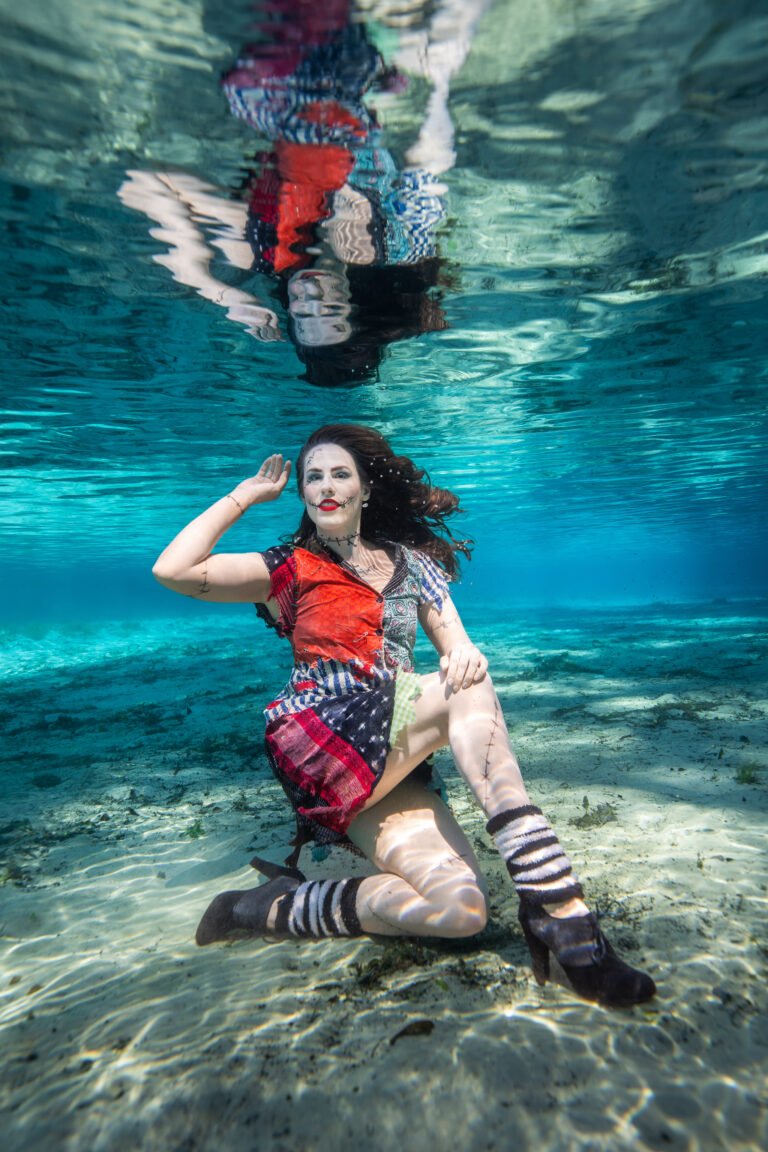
column 331, row 114
column 264, row 189
column 316, row 759
column 283, row 584
column 338, row 617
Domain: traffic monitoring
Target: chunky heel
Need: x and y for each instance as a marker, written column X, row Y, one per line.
column 591, row 966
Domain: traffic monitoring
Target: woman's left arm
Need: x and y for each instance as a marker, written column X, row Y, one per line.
column 461, row 662
column 181, row 204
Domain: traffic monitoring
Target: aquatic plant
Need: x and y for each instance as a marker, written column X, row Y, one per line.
column 240, row 803
column 594, row 817
column 236, row 742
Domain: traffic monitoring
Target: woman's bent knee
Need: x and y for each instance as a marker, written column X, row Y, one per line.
column 465, row 914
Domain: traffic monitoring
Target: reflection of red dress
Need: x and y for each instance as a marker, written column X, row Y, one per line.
column 295, row 194
column 302, row 87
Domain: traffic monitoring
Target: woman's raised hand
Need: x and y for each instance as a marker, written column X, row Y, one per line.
column 266, row 485
column 463, row 665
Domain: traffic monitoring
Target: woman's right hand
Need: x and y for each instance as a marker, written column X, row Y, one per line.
column 266, row 485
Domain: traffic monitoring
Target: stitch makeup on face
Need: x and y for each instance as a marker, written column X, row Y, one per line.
column 310, row 466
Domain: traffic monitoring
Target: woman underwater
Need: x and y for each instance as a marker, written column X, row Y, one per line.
column 349, row 734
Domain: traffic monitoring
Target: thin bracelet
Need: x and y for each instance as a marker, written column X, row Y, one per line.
column 231, row 497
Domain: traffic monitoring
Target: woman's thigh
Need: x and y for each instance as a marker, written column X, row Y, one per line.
column 417, row 740
column 413, row 834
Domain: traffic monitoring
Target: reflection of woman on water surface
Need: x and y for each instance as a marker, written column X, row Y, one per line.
column 349, row 734
column 345, row 236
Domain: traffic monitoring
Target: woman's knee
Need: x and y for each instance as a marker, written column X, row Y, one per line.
column 470, row 911
column 461, row 909
column 482, row 690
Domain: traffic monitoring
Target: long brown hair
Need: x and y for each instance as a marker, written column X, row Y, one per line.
column 403, row 505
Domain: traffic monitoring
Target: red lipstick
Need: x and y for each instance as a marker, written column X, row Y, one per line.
column 328, row 505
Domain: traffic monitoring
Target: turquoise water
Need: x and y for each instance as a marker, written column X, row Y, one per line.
column 597, row 397
column 584, row 363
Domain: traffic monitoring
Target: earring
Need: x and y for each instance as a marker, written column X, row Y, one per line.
column 365, row 503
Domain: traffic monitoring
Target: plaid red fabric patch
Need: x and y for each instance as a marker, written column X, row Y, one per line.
column 323, row 764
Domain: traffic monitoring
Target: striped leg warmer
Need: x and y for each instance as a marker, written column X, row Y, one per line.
column 539, row 867
column 320, row 908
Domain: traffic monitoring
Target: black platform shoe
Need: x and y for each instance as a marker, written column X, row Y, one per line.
column 247, row 910
column 593, row 969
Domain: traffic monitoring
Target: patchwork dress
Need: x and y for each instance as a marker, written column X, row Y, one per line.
column 352, row 686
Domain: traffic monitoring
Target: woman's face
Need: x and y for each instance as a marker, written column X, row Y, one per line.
column 318, row 301
column 333, row 491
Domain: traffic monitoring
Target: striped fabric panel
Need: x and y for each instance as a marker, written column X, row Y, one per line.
column 329, row 678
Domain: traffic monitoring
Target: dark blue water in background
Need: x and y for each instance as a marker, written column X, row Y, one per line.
column 597, row 396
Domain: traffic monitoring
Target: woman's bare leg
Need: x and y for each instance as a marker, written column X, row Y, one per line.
column 472, row 722
column 430, row 882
